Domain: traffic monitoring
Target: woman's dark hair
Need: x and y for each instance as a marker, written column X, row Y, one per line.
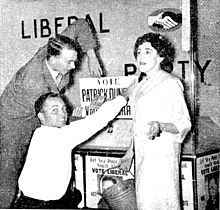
column 39, row 104
column 57, row 44
column 163, row 46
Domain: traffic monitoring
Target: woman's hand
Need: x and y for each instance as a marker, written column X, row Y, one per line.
column 124, row 164
column 154, row 129
column 126, row 161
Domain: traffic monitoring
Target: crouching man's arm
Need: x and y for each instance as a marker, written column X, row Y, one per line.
column 82, row 130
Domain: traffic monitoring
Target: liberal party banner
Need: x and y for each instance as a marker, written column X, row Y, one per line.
column 116, row 26
column 110, row 87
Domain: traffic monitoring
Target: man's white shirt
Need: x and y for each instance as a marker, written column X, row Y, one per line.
column 54, row 74
column 47, row 170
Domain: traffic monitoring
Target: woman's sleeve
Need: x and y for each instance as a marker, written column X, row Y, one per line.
column 81, row 32
column 180, row 115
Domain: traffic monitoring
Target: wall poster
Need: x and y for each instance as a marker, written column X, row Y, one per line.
column 90, row 185
column 110, row 87
column 208, row 181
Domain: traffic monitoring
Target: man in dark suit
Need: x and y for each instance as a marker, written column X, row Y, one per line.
column 48, row 70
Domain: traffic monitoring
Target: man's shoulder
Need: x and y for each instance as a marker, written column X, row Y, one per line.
column 44, row 129
column 32, row 69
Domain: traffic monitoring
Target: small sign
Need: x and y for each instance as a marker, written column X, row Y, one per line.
column 187, row 184
column 110, row 87
column 208, row 181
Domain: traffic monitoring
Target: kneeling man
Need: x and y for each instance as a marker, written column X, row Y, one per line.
column 47, row 171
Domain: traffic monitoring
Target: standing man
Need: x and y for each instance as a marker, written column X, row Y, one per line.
column 48, row 70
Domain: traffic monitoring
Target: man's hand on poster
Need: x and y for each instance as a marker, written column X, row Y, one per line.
column 97, row 101
column 94, row 65
column 166, row 22
column 79, row 112
column 127, row 91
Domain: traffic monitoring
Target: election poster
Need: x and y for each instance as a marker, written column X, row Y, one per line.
column 208, row 181
column 96, row 166
column 99, row 173
column 110, row 87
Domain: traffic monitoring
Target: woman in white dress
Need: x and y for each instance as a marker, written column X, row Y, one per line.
column 160, row 124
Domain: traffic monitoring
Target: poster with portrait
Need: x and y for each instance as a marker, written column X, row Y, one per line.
column 208, row 181
column 99, row 173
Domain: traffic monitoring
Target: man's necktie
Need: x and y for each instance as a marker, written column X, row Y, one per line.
column 58, row 79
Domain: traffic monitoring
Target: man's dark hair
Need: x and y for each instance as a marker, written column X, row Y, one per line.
column 57, row 44
column 41, row 100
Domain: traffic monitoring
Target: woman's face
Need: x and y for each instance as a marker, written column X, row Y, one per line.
column 148, row 59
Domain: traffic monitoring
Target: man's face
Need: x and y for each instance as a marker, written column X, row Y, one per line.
column 213, row 188
column 65, row 62
column 54, row 113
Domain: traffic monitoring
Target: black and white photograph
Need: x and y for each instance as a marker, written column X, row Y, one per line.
column 110, row 104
